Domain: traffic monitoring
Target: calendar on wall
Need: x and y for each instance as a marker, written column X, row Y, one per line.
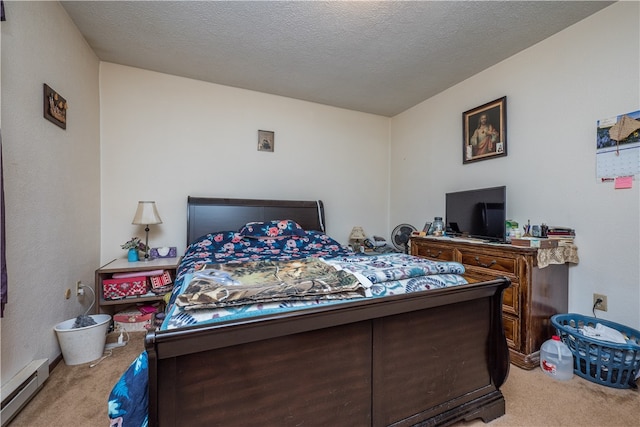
column 618, row 147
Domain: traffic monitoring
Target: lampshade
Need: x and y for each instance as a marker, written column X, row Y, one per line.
column 357, row 233
column 146, row 214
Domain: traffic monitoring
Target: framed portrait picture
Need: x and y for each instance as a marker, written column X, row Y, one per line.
column 265, row 140
column 484, row 131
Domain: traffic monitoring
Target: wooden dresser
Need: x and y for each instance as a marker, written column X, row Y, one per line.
column 534, row 296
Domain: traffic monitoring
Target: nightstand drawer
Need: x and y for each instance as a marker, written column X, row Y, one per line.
column 497, row 264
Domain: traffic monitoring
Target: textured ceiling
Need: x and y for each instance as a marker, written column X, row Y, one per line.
column 375, row 57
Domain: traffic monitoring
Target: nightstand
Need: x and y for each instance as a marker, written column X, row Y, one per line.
column 122, row 265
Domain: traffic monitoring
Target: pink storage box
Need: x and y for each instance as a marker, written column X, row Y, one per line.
column 124, row 287
column 132, row 320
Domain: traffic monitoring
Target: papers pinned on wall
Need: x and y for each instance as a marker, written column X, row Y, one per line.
column 618, row 149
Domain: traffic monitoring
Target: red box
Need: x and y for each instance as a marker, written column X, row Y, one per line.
column 125, row 287
column 160, row 281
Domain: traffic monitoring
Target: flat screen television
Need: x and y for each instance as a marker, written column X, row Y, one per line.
column 479, row 213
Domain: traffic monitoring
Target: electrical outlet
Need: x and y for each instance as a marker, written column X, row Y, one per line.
column 78, row 288
column 602, row 305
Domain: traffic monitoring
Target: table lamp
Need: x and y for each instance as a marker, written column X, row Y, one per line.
column 356, row 238
column 146, row 214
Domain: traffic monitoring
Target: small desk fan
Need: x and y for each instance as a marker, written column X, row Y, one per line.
column 401, row 235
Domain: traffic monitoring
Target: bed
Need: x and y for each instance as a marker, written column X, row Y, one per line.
column 418, row 349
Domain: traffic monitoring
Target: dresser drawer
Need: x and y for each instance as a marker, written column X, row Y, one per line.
column 436, row 252
column 511, row 331
column 511, row 298
column 500, row 266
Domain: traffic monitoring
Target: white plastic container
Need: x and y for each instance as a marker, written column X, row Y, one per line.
column 556, row 360
column 82, row 345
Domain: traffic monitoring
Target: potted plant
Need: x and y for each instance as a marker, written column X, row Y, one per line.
column 133, row 246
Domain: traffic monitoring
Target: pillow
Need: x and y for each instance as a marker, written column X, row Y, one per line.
column 272, row 229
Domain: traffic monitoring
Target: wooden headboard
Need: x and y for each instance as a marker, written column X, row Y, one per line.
column 206, row 215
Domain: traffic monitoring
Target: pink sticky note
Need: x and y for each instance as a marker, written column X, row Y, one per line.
column 623, row 182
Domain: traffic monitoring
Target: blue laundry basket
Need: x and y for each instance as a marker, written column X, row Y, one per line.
column 602, row 362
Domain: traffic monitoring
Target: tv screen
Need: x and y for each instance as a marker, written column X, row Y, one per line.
column 479, row 213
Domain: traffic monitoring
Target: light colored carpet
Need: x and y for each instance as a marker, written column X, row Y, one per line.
column 77, row 396
column 535, row 399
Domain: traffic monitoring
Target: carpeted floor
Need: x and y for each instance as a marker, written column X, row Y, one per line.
column 534, row 399
column 77, row 396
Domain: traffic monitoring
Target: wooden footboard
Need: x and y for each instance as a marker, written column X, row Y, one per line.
column 429, row 358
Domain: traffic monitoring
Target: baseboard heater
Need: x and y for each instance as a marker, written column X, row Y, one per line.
column 21, row 388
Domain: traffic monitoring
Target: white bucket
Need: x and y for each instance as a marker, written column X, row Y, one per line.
column 82, row 345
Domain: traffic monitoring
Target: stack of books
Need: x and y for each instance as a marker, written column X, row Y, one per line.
column 564, row 235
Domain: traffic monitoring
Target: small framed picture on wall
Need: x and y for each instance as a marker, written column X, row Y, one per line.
column 484, row 130
column 55, row 107
column 266, row 140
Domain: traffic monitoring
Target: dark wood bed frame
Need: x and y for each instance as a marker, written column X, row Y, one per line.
column 428, row 358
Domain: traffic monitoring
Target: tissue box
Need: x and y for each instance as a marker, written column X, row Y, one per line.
column 124, row 287
column 164, row 252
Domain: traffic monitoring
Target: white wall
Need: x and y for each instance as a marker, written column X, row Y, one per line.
column 556, row 91
column 164, row 138
column 51, row 178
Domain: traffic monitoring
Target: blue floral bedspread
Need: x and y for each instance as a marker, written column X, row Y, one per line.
column 383, row 275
